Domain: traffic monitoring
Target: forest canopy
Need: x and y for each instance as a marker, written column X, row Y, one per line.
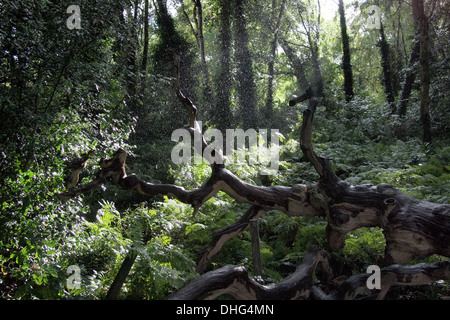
column 83, row 83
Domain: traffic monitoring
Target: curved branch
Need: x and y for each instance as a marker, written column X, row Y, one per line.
column 392, row 276
column 319, row 163
column 412, row 228
column 235, row 282
column 296, row 200
column 223, row 235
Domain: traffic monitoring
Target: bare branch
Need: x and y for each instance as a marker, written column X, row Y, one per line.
column 235, row 282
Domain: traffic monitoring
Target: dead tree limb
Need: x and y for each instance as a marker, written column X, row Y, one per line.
column 412, row 227
column 355, row 286
column 223, row 235
column 235, row 282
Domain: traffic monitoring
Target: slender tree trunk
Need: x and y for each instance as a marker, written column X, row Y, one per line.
column 318, row 79
column 170, row 38
column 422, row 25
column 121, row 276
column 145, row 52
column 297, row 65
column 130, row 49
column 409, row 77
column 198, row 33
column 246, row 87
column 313, row 38
column 223, row 115
column 346, row 61
column 198, row 16
column 386, row 64
column 256, row 249
column 271, row 65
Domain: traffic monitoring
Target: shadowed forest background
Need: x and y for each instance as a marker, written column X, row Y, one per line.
column 383, row 117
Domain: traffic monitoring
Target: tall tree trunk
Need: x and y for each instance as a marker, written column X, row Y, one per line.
column 246, row 86
column 409, row 77
column 198, row 16
column 421, row 22
column 171, row 38
column 145, row 52
column 313, row 38
column 130, row 49
column 198, row 33
column 222, row 115
column 318, row 79
column 346, row 61
column 144, row 62
column 412, row 228
column 121, row 276
column 386, row 64
column 271, row 65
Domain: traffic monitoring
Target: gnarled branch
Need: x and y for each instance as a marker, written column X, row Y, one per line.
column 235, row 282
column 412, row 227
column 392, row 276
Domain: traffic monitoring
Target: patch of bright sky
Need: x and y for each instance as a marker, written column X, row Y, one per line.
column 329, row 9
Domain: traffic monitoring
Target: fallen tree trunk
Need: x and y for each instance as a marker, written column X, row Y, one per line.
column 235, row 282
column 412, row 227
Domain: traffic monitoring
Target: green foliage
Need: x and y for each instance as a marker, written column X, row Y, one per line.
column 363, row 247
column 66, row 92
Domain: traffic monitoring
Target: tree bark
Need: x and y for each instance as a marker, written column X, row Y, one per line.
column 313, row 39
column 145, row 52
column 409, row 77
column 421, row 22
column 412, row 227
column 275, row 28
column 386, row 65
column 223, row 115
column 198, row 33
column 221, row 236
column 256, row 249
column 346, row 58
column 198, row 15
column 121, row 276
column 130, row 49
column 246, row 86
column 235, row 282
column 392, row 276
